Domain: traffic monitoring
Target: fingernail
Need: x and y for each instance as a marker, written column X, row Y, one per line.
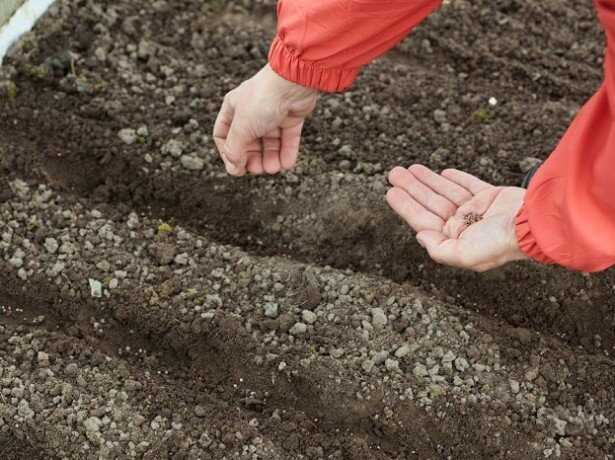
column 420, row 242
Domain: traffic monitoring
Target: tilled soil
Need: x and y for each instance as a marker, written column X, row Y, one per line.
column 152, row 307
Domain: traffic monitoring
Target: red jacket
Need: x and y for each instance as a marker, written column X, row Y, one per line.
column 569, row 213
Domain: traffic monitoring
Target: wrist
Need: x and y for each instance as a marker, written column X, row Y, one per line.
column 515, row 251
column 286, row 89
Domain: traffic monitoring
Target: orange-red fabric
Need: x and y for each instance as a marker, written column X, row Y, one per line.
column 569, row 213
column 323, row 44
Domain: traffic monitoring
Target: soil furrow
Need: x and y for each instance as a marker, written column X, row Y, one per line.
column 205, row 304
column 72, row 142
column 344, row 224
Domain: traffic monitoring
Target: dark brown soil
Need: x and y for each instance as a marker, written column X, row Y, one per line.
column 72, row 142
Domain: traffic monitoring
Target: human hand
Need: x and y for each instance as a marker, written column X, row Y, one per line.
column 460, row 220
column 259, row 125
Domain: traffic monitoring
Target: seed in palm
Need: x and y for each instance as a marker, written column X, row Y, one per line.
column 472, row 218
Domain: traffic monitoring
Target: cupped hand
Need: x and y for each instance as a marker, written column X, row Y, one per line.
column 459, row 219
column 259, row 126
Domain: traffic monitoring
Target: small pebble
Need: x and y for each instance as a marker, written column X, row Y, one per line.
column 298, row 329
column 309, row 316
column 271, row 310
column 461, row 364
column 420, row 371
column 200, row 411
column 174, row 148
column 192, row 163
column 402, row 351
column 368, row 365
column 391, row 365
column 379, row 318
column 128, row 136
column 72, row 369
column 51, row 244
column 95, row 288
column 381, row 357
column 42, row 359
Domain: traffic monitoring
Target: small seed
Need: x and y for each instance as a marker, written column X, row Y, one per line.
column 472, row 218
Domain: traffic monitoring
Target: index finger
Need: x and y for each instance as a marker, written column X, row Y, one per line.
column 440, row 184
column 222, row 125
column 467, row 181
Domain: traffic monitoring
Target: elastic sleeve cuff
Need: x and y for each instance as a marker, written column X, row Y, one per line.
column 289, row 66
column 527, row 242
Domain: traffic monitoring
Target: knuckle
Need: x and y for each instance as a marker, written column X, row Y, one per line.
column 449, row 209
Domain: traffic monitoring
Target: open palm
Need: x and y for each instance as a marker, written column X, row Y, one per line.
column 461, row 220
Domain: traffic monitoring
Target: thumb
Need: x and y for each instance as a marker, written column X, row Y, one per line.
column 430, row 238
column 440, row 248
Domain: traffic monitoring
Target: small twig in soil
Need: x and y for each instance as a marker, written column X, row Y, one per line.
column 72, row 65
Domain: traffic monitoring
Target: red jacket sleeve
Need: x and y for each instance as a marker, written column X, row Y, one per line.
column 323, row 44
column 569, row 213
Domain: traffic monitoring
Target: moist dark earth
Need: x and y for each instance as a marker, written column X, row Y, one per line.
column 153, row 307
